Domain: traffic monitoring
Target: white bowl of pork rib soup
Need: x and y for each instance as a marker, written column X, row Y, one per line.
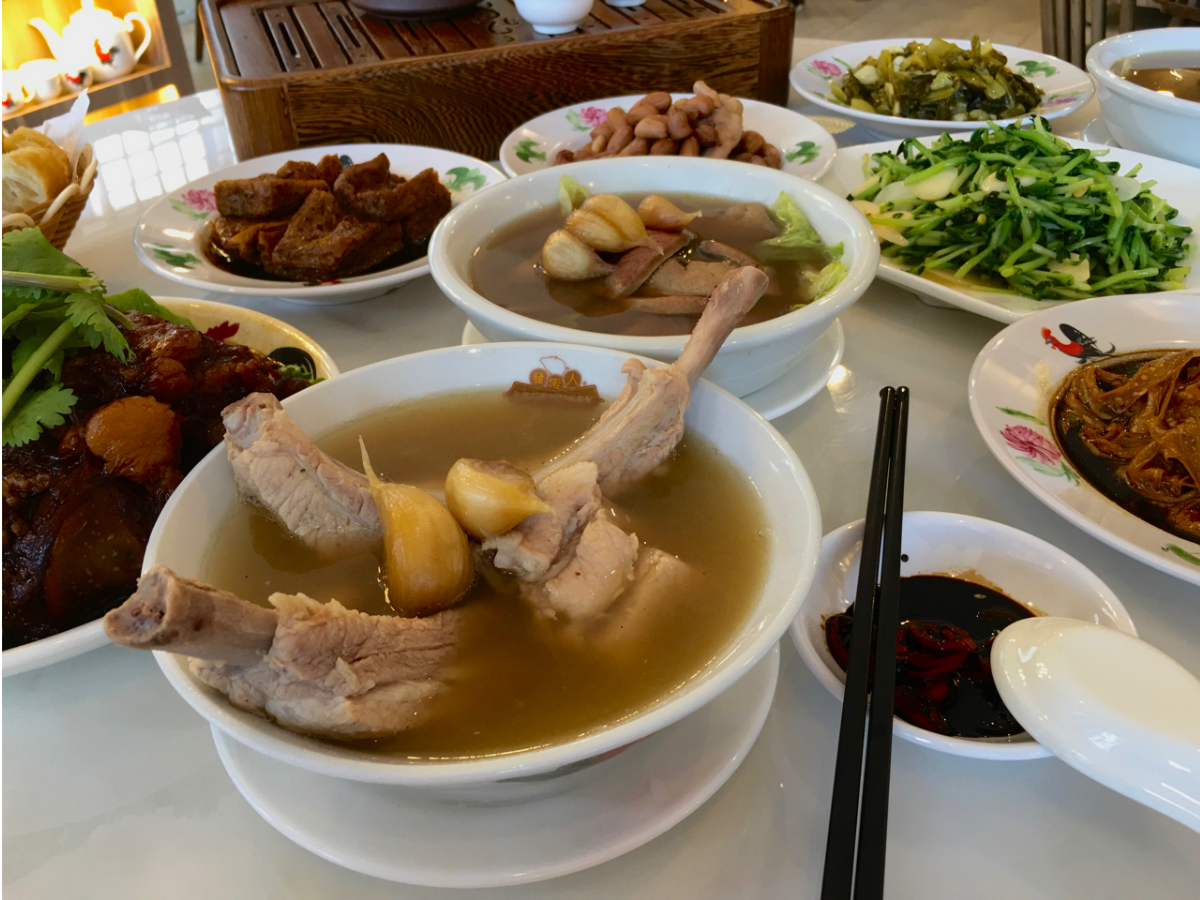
column 549, row 563
column 610, row 253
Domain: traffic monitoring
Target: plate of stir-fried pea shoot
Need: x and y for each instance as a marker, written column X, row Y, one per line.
column 1008, row 221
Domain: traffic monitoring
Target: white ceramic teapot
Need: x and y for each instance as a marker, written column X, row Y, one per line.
column 99, row 37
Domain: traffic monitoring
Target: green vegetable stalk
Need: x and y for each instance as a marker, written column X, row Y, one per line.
column 1021, row 210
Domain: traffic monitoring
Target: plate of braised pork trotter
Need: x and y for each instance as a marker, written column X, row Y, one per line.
column 330, row 224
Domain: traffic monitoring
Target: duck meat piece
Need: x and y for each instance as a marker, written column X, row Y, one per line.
column 316, row 668
column 318, row 240
column 635, row 434
column 693, row 279
column 600, row 568
column 743, row 222
column 264, row 196
column 642, row 426
column 657, row 578
column 670, row 305
column 319, row 500
column 637, row 265
column 723, row 251
column 540, row 546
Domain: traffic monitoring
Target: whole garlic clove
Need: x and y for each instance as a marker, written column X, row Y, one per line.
column 661, row 214
column 567, row 258
column 427, row 556
column 491, row 498
column 606, row 222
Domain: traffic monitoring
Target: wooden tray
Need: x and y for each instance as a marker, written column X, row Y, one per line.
column 301, row 73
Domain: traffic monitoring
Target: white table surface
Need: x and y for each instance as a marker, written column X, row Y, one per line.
column 113, row 790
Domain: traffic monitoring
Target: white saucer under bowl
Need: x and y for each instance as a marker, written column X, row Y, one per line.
column 1096, row 132
column 795, row 388
column 419, row 837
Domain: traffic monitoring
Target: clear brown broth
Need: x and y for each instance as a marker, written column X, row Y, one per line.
column 519, row 681
column 1171, row 72
column 507, row 271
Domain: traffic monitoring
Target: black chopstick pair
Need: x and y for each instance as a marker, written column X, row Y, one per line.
column 856, row 843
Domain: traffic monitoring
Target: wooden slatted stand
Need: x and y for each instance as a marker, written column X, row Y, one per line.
column 301, row 73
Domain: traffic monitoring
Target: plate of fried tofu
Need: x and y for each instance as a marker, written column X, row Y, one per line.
column 324, row 225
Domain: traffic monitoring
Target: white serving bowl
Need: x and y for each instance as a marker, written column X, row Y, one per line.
column 1023, row 567
column 1137, row 117
column 754, row 355
column 255, row 330
column 207, row 495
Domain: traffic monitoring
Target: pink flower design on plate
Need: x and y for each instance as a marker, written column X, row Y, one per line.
column 827, row 68
column 593, row 115
column 1025, row 440
column 200, row 200
column 1059, row 101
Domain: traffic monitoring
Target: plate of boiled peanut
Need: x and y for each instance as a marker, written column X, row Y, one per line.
column 703, row 123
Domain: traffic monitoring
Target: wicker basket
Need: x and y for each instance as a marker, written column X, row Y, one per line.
column 57, row 218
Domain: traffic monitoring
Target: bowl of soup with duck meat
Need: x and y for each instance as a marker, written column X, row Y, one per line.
column 623, row 253
column 1148, row 85
column 477, row 564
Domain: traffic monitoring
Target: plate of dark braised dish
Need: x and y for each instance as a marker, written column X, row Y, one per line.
column 963, row 581
column 319, row 224
column 96, row 438
column 1095, row 410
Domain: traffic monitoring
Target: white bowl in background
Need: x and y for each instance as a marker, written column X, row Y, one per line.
column 1025, row 568
column 205, row 497
column 1067, row 87
column 1137, row 117
column 255, row 330
column 754, row 355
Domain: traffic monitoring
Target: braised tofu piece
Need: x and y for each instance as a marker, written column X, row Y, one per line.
column 327, row 170
column 318, row 239
column 264, row 196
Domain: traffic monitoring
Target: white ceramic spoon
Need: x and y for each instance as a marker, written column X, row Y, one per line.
column 1108, row 704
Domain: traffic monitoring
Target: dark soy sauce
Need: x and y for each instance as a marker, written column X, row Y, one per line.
column 943, row 655
column 235, row 266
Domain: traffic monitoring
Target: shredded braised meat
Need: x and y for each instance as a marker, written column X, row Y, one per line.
column 1141, row 413
column 80, row 502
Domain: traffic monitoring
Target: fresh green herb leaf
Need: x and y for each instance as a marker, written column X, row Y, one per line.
column 293, row 370
column 27, row 250
column 38, row 410
column 137, row 300
column 86, row 312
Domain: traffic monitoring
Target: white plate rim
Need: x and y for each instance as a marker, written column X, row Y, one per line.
column 1188, row 191
column 168, row 209
column 860, row 51
column 90, row 635
column 755, row 110
column 760, row 682
column 986, row 422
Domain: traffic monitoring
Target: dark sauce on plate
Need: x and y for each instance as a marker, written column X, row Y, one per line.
column 944, row 678
column 234, row 266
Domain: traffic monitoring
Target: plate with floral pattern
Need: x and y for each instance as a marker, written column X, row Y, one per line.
column 1066, row 87
column 1017, row 374
column 807, row 148
column 172, row 234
